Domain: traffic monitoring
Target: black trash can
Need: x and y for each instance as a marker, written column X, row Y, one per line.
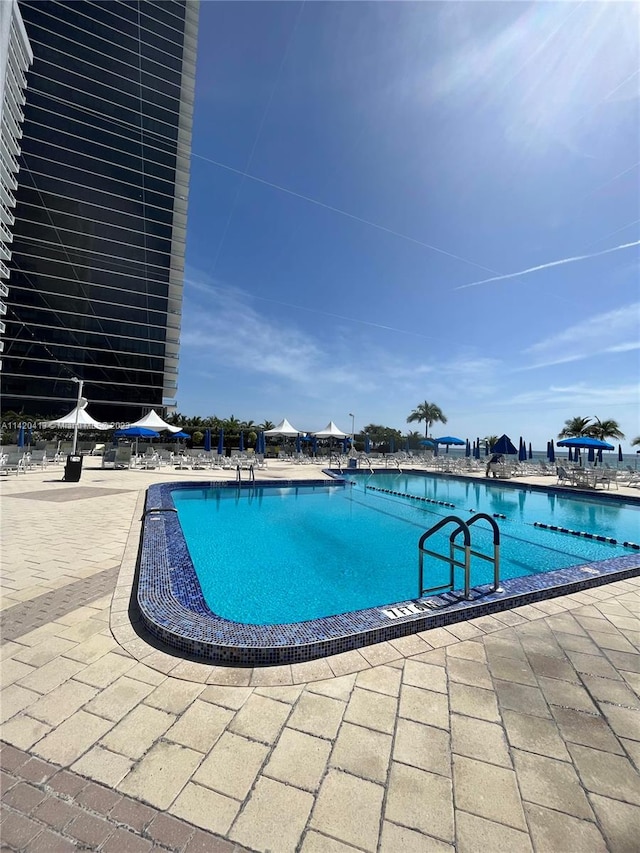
column 73, row 469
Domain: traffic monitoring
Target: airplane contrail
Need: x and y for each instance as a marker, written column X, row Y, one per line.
column 548, row 266
column 346, row 213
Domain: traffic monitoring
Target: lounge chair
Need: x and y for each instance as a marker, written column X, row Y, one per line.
column 36, row 459
column 607, row 477
column 13, row 462
column 564, row 477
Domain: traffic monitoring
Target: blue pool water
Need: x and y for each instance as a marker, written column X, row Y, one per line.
column 272, row 555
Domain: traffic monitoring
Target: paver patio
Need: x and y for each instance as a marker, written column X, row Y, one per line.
column 516, row 731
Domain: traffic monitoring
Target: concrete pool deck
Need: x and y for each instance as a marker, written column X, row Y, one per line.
column 519, row 731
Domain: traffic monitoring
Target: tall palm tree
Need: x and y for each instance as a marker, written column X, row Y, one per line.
column 429, row 413
column 491, row 440
column 605, row 429
column 574, row 427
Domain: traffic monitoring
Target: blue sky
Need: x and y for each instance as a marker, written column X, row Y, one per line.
column 360, row 169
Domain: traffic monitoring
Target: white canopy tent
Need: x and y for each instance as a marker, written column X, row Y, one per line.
column 285, row 429
column 154, row 421
column 78, row 417
column 330, row 431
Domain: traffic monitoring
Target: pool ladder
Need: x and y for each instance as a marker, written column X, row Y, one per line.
column 252, row 474
column 461, row 526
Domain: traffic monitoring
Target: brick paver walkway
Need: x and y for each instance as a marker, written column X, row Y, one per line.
column 514, row 732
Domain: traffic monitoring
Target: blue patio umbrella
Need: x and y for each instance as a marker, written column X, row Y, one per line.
column 467, row 449
column 345, row 445
column 571, row 454
column 486, row 448
column 599, row 455
column 367, row 444
column 585, row 441
column 314, row 445
column 504, row 446
column 530, row 451
column 180, row 435
column 591, row 455
column 207, row 440
column 620, row 457
column 392, row 445
column 449, row 439
column 406, row 444
column 552, row 453
column 221, row 442
column 28, row 438
column 260, row 443
column 241, row 443
column 522, row 451
column 20, row 440
column 299, row 444
column 137, row 433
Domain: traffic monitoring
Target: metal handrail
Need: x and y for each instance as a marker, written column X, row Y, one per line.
column 496, row 549
column 252, row 474
column 461, row 527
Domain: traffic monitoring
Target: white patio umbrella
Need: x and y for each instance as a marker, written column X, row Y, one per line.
column 79, row 417
column 330, row 431
column 285, row 429
column 154, row 421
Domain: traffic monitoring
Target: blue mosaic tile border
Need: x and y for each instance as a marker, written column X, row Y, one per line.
column 174, row 610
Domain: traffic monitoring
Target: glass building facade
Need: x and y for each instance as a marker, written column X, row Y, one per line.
column 100, row 219
column 15, row 59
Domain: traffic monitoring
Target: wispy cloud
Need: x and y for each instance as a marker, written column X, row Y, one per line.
column 613, row 331
column 580, row 394
column 548, row 265
column 222, row 327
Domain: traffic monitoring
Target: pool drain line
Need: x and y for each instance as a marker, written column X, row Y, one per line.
column 594, row 536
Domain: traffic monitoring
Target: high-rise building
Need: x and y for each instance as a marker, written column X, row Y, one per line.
column 15, row 59
column 100, row 220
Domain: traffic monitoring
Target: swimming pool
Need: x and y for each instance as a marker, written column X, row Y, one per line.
column 358, row 546
column 282, row 555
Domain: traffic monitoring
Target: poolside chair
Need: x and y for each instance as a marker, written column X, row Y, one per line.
column 150, row 460
column 13, row 462
column 564, row 478
column 606, row 478
column 123, row 457
column 36, row 459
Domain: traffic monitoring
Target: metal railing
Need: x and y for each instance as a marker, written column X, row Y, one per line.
column 251, row 476
column 461, row 526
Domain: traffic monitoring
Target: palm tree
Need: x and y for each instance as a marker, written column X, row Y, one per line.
column 266, row 425
column 413, row 438
column 491, row 440
column 605, row 429
column 575, row 427
column 429, row 413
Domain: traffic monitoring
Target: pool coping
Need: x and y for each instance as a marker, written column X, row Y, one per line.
column 177, row 614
